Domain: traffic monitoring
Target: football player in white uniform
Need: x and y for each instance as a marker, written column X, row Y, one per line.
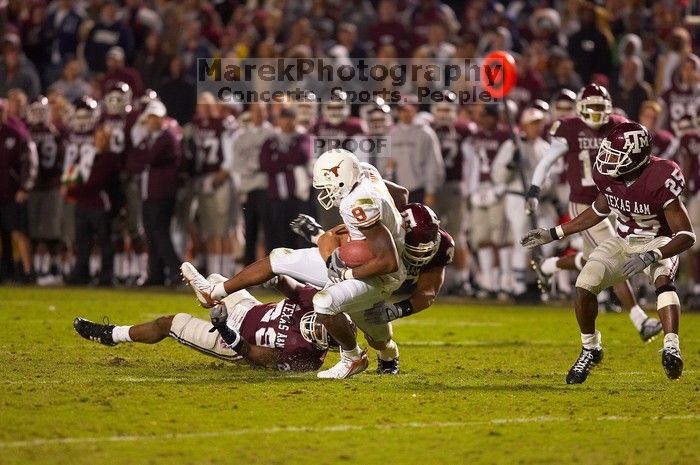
column 369, row 213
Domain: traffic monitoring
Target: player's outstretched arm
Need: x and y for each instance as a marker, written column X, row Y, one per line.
column 386, row 257
column 683, row 239
column 558, row 147
column 587, row 219
column 255, row 355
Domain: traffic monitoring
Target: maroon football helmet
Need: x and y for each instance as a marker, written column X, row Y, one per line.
column 117, row 99
column 594, row 105
column 422, row 234
column 626, row 148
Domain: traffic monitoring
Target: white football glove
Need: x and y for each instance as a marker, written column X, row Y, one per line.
column 536, row 237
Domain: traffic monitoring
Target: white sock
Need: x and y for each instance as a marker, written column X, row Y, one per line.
column 213, row 263
column 671, row 341
column 504, row 258
column 591, row 341
column 486, row 267
column 353, row 354
column 121, row 334
column 45, row 263
column 37, row 263
column 637, row 315
column 390, row 352
column 218, row 292
column 563, row 282
column 549, row 265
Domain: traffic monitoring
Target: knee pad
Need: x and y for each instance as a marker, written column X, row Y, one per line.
column 278, row 258
column 666, row 295
column 194, row 333
column 323, row 303
column 591, row 277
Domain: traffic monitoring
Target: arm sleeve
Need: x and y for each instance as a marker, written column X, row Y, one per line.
column 557, row 148
column 227, row 138
column 435, row 166
column 30, row 167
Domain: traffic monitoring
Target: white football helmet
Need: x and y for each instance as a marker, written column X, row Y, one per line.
column 39, row 112
column 335, row 174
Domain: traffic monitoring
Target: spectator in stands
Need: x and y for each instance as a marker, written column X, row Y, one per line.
column 16, row 71
column 107, row 33
column 93, row 209
column 17, row 105
column 347, row 37
column 72, row 85
column 630, row 89
column 117, row 71
column 178, row 95
column 679, row 47
column 194, row 47
column 160, row 153
column 285, row 157
column 589, row 47
column 142, row 21
column 151, row 62
column 61, row 30
column 251, row 180
column 359, row 13
column 562, row 73
column 389, row 30
column 415, row 157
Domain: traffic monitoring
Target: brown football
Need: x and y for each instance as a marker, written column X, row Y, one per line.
column 355, row 253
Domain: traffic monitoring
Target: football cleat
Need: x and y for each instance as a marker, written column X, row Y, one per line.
column 651, row 327
column 199, row 284
column 346, row 367
column 543, row 279
column 672, row 362
column 388, row 367
column 587, row 359
column 91, row 331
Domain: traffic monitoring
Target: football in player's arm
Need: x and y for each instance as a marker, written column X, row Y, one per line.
column 653, row 227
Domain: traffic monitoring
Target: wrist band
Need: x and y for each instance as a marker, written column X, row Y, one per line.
column 556, row 232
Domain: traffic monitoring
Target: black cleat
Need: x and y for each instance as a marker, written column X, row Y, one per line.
column 651, row 327
column 672, row 362
column 388, row 367
column 101, row 333
column 587, row 359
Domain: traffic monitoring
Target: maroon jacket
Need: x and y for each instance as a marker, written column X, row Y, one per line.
column 101, row 180
column 160, row 155
column 279, row 160
column 18, row 161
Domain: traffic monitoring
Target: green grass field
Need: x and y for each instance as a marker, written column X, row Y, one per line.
column 480, row 384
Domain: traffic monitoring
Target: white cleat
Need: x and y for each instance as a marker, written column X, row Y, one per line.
column 346, row 367
column 199, row 284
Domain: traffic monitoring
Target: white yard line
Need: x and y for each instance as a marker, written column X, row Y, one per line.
column 327, row 429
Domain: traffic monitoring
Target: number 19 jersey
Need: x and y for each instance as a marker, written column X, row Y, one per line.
column 583, row 143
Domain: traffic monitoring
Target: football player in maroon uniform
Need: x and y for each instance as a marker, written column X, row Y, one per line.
column 451, row 199
column 689, row 157
column 682, row 99
column 577, row 140
column 282, row 335
column 487, row 215
column 45, row 203
column 211, row 143
column 663, row 143
column 653, row 228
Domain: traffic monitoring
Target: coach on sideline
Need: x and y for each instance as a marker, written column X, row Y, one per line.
column 160, row 153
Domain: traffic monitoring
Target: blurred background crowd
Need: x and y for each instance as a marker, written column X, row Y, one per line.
column 113, row 168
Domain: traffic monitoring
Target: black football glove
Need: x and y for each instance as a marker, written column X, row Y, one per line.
column 218, row 315
column 307, row 227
